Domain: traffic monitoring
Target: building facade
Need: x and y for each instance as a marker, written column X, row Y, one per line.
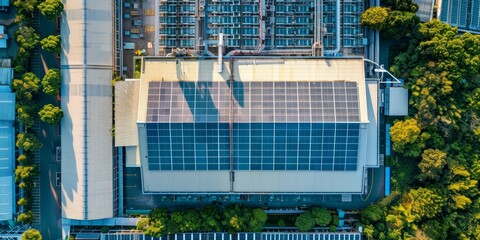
column 254, row 24
column 463, row 14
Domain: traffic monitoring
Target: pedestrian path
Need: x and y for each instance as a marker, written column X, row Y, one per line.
column 36, row 180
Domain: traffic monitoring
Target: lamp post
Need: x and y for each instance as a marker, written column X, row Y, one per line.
column 382, row 70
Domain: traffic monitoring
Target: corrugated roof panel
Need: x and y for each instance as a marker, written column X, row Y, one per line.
column 475, row 19
column 7, row 106
column 463, row 13
column 7, row 158
column 454, row 16
column 444, row 10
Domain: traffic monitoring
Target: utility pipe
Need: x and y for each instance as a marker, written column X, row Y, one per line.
column 337, row 49
column 220, row 52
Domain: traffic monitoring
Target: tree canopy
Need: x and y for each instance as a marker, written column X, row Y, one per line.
column 52, row 43
column 28, row 142
column 27, row 39
column 375, row 18
column 25, row 7
column 436, row 158
column 25, row 173
column 407, row 138
column 51, row 82
column 51, row 8
column 232, row 218
column 322, row 216
column 305, row 222
column 433, row 161
column 401, row 5
column 25, row 114
column 25, row 87
column 50, row 114
column 32, row 234
column 26, row 217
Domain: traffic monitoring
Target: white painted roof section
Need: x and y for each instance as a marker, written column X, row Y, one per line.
column 126, row 96
column 299, row 181
column 86, row 91
column 372, row 127
column 397, row 101
column 158, row 69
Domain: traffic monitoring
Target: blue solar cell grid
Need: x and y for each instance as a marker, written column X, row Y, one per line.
column 256, row 146
column 276, row 126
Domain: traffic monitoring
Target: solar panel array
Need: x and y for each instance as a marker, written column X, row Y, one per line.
column 253, row 102
column 276, row 126
column 256, row 146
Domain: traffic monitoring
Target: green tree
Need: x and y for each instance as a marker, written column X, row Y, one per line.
column 22, row 159
column 51, row 82
column 407, row 138
column 25, row 87
column 25, row 7
column 52, row 43
column 305, row 222
column 50, row 114
column 374, row 17
column 51, row 8
column 25, row 173
column 402, row 5
column 399, row 24
column 432, row 164
column 22, row 202
column 25, row 113
column 322, row 216
column 259, row 217
column 235, row 219
column 28, row 142
column 27, row 38
column 371, row 214
column 211, row 218
column 435, row 230
column 425, row 203
column 143, row 223
column 369, row 231
column 31, row 234
column 155, row 224
column 26, row 217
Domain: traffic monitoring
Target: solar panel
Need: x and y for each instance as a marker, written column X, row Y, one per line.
column 253, row 102
column 276, row 126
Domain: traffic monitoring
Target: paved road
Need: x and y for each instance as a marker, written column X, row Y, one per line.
column 50, row 211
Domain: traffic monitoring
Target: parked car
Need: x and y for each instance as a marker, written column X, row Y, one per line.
column 59, row 154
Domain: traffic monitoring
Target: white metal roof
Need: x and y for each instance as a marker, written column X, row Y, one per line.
column 372, row 128
column 257, row 70
column 7, row 155
column 86, row 91
column 397, row 100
